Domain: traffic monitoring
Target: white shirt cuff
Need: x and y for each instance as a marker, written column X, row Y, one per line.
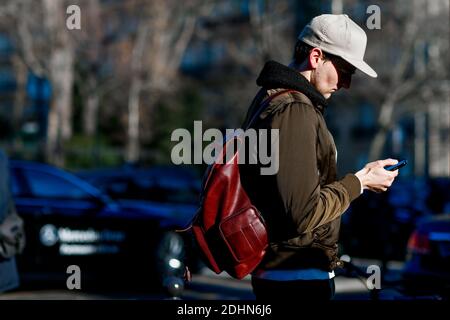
column 360, row 183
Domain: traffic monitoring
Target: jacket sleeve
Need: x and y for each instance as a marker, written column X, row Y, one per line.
column 309, row 204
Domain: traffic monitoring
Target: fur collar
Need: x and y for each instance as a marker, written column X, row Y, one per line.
column 275, row 75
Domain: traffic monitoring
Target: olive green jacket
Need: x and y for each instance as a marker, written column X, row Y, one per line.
column 303, row 202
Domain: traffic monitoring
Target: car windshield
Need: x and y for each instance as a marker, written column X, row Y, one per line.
column 158, row 191
column 44, row 185
column 158, row 184
column 172, row 194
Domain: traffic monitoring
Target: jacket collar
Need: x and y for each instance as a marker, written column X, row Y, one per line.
column 276, row 75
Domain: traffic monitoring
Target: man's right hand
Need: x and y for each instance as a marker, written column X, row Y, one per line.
column 187, row 276
column 375, row 178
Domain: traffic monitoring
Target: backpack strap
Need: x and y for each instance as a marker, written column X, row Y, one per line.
column 265, row 103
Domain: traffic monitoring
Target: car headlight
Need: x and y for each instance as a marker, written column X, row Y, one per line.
column 174, row 263
column 170, row 256
column 171, row 248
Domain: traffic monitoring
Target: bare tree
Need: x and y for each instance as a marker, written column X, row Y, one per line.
column 161, row 39
column 60, row 64
column 90, row 44
column 249, row 37
column 20, row 69
column 416, row 31
column 409, row 53
column 39, row 28
column 135, row 92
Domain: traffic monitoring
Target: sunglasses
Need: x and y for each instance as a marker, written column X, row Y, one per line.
column 342, row 66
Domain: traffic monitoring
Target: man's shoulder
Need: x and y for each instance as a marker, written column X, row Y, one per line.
column 291, row 104
column 291, row 96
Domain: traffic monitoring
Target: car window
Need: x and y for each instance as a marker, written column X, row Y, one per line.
column 150, row 190
column 170, row 194
column 43, row 185
column 116, row 187
column 16, row 187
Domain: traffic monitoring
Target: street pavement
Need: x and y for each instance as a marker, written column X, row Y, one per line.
column 204, row 286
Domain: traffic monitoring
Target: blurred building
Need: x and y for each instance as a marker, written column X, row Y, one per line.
column 419, row 124
column 7, row 87
column 414, row 99
column 232, row 40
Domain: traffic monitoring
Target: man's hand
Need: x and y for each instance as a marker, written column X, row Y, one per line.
column 375, row 178
column 187, row 276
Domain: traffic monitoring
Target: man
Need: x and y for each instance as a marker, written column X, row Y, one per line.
column 12, row 237
column 303, row 202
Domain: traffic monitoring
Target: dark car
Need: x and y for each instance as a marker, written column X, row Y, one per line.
column 171, row 190
column 378, row 226
column 161, row 184
column 427, row 269
column 70, row 222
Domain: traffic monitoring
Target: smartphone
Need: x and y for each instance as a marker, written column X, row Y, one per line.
column 399, row 165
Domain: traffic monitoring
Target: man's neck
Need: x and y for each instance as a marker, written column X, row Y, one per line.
column 302, row 69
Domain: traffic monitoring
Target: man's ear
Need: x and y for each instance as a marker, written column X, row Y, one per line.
column 314, row 57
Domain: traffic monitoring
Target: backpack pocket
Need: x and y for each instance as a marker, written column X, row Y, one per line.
column 244, row 233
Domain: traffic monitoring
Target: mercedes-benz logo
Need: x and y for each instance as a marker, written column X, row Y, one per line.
column 48, row 235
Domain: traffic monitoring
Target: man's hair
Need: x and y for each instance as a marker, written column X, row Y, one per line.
column 302, row 51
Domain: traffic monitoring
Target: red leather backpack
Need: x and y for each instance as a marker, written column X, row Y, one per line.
column 229, row 231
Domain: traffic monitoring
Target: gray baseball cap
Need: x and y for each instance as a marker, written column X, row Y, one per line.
column 339, row 35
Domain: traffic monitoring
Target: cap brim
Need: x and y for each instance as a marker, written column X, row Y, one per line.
column 361, row 65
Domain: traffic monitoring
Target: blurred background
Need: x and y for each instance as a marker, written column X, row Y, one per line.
column 86, row 116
